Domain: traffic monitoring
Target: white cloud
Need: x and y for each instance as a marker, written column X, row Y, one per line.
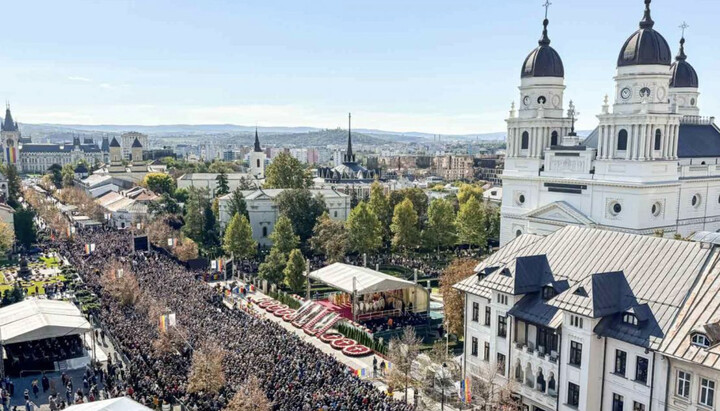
column 79, row 78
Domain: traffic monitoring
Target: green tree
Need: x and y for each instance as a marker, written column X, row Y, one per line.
column 181, row 195
column 159, row 183
column 380, row 205
column 222, row 184
column 470, row 222
column 55, row 172
column 302, row 208
column 238, row 240
column 14, row 185
column 364, row 230
column 211, row 230
column 25, row 230
column 467, row 191
column 13, row 295
column 286, row 171
column 294, row 269
column 283, row 237
column 273, row 266
column 440, row 227
column 493, row 221
column 417, row 196
column 405, row 226
column 166, row 204
column 196, row 204
column 220, row 167
column 237, row 204
column 68, row 175
column 330, row 238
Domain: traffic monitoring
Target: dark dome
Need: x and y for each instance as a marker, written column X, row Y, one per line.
column 683, row 74
column 544, row 61
column 645, row 46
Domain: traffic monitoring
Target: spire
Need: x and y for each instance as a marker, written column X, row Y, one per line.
column 9, row 124
column 349, row 156
column 647, row 21
column 545, row 40
column 681, row 54
column 257, row 141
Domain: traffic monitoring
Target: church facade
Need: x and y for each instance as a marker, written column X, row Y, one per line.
column 650, row 166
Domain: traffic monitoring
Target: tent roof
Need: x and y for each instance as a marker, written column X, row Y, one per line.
column 340, row 276
column 113, row 404
column 36, row 319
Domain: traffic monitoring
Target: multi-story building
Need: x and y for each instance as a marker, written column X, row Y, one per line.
column 489, row 168
column 454, row 167
column 128, row 139
column 263, row 212
column 649, row 166
column 37, row 158
column 590, row 319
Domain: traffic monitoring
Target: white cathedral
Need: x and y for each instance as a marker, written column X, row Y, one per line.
column 650, row 166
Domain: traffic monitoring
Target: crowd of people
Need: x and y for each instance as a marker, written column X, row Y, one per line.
column 294, row 374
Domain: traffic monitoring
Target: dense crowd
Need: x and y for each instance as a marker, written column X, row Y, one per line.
column 294, row 374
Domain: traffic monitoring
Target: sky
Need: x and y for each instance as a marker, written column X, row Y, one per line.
column 441, row 67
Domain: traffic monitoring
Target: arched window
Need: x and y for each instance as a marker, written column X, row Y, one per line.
column 554, row 138
column 658, row 139
column 258, row 163
column 264, row 231
column 622, row 140
column 525, row 143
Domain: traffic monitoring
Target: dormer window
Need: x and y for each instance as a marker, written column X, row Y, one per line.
column 630, row 319
column 700, row 340
column 548, row 293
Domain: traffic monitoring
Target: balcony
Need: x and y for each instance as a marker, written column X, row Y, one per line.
column 534, row 372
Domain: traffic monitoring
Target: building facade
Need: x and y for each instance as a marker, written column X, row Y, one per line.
column 650, row 166
column 590, row 319
column 263, row 212
column 128, row 139
column 454, row 167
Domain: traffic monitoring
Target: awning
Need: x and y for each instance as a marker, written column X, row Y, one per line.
column 113, row 404
column 37, row 319
column 349, row 278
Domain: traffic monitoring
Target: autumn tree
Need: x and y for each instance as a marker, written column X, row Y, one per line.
column 206, row 371
column 364, row 230
column 470, row 222
column 294, row 269
column 283, row 236
column 416, row 195
column 250, row 396
column 402, row 352
column 454, row 300
column 285, row 171
column 238, row 240
column 405, row 226
column 330, row 238
column 186, row 250
column 159, row 183
column 7, row 237
column 120, row 283
column 467, row 191
column 439, row 229
column 272, row 269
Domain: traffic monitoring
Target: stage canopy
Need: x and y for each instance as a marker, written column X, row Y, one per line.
column 113, row 404
column 350, row 278
column 36, row 319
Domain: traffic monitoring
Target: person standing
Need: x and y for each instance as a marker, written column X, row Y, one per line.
column 45, row 383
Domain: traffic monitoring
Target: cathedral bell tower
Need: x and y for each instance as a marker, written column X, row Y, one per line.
column 10, row 136
column 539, row 123
column 257, row 159
column 644, row 125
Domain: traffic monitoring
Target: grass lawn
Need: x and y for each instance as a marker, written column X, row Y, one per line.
column 29, row 286
column 50, row 262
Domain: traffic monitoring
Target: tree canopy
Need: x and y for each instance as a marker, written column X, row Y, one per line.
column 7, row 237
column 237, row 203
column 330, row 238
column 25, row 230
column 405, row 226
column 467, row 191
column 302, row 208
column 364, row 230
column 470, row 222
column 272, row 269
column 159, row 183
column 222, row 184
column 283, row 237
column 453, row 299
column 285, row 171
column 440, row 226
column 294, row 269
column 238, row 239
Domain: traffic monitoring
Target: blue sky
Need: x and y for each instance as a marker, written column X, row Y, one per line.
column 443, row 66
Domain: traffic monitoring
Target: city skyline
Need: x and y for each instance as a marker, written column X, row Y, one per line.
column 446, row 69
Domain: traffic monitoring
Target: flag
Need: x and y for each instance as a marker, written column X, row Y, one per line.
column 360, row 372
column 171, row 242
column 163, row 323
column 467, row 385
column 388, row 366
column 220, row 265
column 227, row 292
column 120, row 273
column 172, row 321
column 87, row 248
column 213, row 264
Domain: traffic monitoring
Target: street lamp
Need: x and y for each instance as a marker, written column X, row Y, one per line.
column 442, row 386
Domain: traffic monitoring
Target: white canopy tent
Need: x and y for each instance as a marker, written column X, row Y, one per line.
column 113, row 404
column 37, row 319
column 362, row 280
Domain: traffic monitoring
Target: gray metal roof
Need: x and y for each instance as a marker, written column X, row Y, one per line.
column 660, row 272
